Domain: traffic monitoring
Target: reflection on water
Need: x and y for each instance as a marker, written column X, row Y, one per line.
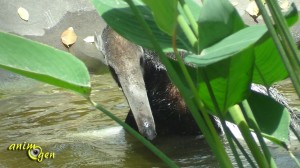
column 80, row 136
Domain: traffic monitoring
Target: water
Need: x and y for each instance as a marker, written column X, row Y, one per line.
column 65, row 124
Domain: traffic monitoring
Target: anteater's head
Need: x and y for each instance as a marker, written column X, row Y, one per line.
column 125, row 61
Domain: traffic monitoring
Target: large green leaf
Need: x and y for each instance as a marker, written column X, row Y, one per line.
column 269, row 67
column 119, row 16
column 229, row 79
column 272, row 118
column 165, row 14
column 227, row 56
column 43, row 63
column 228, row 47
column 218, row 19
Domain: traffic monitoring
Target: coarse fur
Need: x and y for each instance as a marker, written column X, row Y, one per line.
column 169, row 110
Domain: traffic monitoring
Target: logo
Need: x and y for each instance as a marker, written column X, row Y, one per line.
column 34, row 152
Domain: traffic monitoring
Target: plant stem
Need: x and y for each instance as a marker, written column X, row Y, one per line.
column 216, row 146
column 231, row 143
column 188, row 32
column 222, row 118
column 250, row 161
column 286, row 48
column 287, row 42
column 190, row 17
column 238, row 118
column 294, row 158
column 251, row 120
column 283, row 30
column 276, row 141
column 212, row 135
column 139, row 137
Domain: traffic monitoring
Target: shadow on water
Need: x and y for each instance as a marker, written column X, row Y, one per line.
column 80, row 136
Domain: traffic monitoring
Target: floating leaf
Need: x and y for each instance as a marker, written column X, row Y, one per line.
column 23, row 13
column 89, row 39
column 68, row 37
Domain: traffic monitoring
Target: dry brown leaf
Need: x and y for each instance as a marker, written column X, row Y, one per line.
column 23, row 13
column 89, row 39
column 252, row 9
column 68, row 37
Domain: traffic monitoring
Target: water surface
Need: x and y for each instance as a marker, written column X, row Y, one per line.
column 64, row 123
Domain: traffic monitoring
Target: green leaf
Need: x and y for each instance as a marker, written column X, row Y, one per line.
column 229, row 79
column 218, row 19
column 292, row 15
column 269, row 67
column 229, row 67
column 228, row 47
column 119, row 16
column 165, row 14
column 195, row 8
column 272, row 118
column 43, row 63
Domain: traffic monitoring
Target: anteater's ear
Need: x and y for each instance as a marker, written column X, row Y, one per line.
column 99, row 45
column 98, row 42
column 98, row 39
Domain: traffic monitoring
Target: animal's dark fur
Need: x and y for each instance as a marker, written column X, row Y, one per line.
column 169, row 110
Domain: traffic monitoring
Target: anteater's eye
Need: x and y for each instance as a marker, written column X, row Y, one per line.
column 142, row 61
column 142, row 64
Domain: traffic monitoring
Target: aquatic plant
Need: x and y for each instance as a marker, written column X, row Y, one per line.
column 223, row 57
